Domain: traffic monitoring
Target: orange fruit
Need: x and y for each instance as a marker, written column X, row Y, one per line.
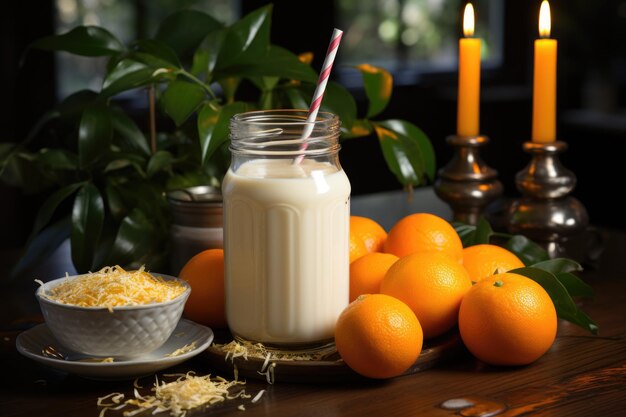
column 507, row 319
column 370, row 232
column 378, row 336
column 423, row 232
column 432, row 284
column 482, row 261
column 357, row 248
column 367, row 272
column 205, row 274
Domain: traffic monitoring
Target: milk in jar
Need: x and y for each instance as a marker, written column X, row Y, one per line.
column 286, row 228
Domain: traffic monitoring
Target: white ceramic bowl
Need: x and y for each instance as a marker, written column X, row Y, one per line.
column 126, row 332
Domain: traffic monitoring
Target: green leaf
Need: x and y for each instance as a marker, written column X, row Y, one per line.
column 407, row 151
column 121, row 160
column 135, row 238
column 297, row 98
column 188, row 179
column 247, row 39
column 156, row 53
column 42, row 247
column 71, row 108
column 359, row 129
column 339, row 101
column 200, row 63
column 528, row 251
column 129, row 74
column 378, row 85
column 58, row 159
column 129, row 136
column 205, row 58
column 87, row 221
column 184, row 30
column 466, row 232
column 94, row 133
column 277, row 62
column 114, row 201
column 181, row 99
column 565, row 306
column 558, row 265
column 160, row 161
column 44, row 215
column 229, row 87
column 82, row 40
column 575, row 286
column 483, row 232
column 213, row 126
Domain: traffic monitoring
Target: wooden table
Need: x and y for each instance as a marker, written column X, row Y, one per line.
column 581, row 375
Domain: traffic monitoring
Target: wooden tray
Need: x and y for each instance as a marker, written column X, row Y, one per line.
column 330, row 369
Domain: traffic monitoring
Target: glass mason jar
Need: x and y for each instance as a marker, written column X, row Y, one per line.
column 286, row 229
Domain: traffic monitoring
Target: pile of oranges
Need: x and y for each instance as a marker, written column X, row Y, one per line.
column 414, row 283
column 503, row 318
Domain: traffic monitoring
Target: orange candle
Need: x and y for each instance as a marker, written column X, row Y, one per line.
column 469, row 78
column 544, row 85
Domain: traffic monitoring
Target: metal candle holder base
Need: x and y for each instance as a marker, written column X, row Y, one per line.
column 546, row 212
column 467, row 184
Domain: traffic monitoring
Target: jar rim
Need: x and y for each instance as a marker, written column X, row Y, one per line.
column 299, row 116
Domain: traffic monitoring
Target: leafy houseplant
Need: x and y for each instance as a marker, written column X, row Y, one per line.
column 110, row 177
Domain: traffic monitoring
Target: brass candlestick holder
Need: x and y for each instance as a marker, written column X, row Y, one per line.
column 467, row 184
column 546, row 212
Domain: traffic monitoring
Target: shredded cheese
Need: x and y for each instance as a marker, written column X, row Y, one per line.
column 112, row 287
column 185, row 349
column 177, row 397
column 236, row 349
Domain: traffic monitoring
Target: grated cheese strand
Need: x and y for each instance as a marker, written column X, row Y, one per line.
column 113, row 287
column 185, row 349
column 186, row 392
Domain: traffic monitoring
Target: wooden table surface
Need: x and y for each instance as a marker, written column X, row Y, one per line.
column 581, row 375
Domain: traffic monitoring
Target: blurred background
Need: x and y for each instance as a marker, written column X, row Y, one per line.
column 416, row 40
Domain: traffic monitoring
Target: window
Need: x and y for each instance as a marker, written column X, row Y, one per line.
column 127, row 20
column 408, row 37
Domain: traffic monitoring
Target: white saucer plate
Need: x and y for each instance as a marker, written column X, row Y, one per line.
column 31, row 343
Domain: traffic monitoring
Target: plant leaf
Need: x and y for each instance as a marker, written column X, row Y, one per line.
column 205, row 58
column 247, row 39
column 483, row 232
column 42, row 246
column 407, row 151
column 575, row 286
column 129, row 74
column 160, row 161
column 213, row 126
column 82, row 40
column 466, row 232
column 528, row 251
column 87, row 221
column 339, row 101
column 129, row 136
column 181, row 99
column 156, row 53
column 58, row 159
column 184, row 30
column 359, row 129
column 71, row 108
column 135, row 238
column 277, row 62
column 47, row 209
column 94, row 133
column 114, row 201
column 565, row 306
column 378, row 85
column 558, row 265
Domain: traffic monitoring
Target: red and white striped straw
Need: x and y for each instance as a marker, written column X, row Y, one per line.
column 318, row 95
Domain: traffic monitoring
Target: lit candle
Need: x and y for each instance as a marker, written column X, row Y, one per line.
column 544, row 86
column 469, row 78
